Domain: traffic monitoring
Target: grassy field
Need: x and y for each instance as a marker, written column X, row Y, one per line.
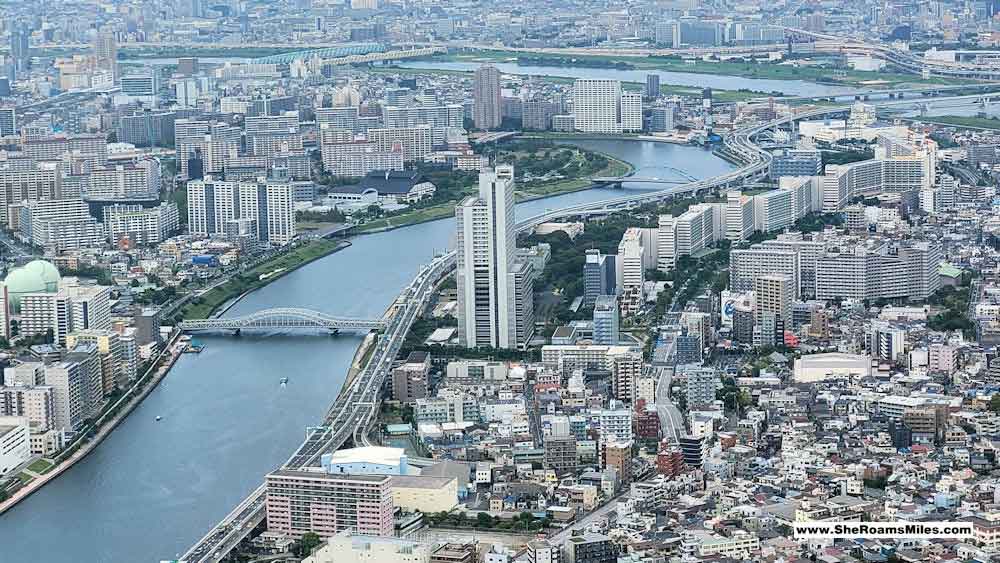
column 205, row 305
column 40, row 466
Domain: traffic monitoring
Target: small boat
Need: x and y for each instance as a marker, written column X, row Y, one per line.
column 194, row 347
column 159, row 418
column 284, row 381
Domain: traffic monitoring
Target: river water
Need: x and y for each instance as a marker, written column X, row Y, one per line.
column 697, row 80
column 154, row 487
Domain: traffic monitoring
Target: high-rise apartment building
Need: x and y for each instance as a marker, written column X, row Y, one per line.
column 486, row 98
column 485, row 249
column 600, row 106
column 773, row 295
column 265, row 211
column 105, row 49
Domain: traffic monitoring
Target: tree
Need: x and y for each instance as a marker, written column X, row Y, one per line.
column 995, row 403
column 309, row 542
column 484, row 520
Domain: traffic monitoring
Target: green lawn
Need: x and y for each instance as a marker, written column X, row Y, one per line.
column 40, row 466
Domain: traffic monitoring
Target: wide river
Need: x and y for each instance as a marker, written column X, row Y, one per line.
column 154, row 487
column 692, row 79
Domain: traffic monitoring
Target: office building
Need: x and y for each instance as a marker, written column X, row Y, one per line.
column 301, row 501
column 486, row 96
column 225, row 208
column 521, row 284
column 537, row 115
column 8, row 121
column 589, row 548
column 599, row 276
column 485, row 251
column 661, row 119
column 146, row 128
column 801, row 162
column 606, row 320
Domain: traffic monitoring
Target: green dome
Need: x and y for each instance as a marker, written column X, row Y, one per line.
column 33, row 277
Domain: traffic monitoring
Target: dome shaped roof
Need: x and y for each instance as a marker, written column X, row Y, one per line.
column 33, row 277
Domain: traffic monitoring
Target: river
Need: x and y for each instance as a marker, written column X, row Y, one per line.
column 692, row 79
column 154, row 487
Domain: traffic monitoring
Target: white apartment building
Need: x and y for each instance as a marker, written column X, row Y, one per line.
column 600, row 106
column 70, row 385
column 773, row 211
column 630, row 271
column 15, row 444
column 631, row 112
column 219, row 208
column 355, row 159
column 567, row 358
column 485, row 254
column 140, row 225
column 59, row 224
column 807, row 194
column 416, row 141
column 739, row 216
column 746, row 265
column 25, row 179
column 140, row 180
column 33, row 402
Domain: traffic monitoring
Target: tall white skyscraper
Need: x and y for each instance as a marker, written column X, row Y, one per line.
column 485, row 248
column 600, row 106
column 595, row 105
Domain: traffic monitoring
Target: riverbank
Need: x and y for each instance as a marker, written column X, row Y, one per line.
column 615, row 167
column 276, row 268
column 720, row 95
column 968, row 122
column 743, row 69
column 118, row 411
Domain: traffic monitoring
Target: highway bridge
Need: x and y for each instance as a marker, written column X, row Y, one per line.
column 281, row 319
column 355, row 409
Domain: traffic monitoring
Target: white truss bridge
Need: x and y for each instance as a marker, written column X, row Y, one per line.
column 282, row 319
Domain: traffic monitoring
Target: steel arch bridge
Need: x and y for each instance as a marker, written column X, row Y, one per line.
column 283, row 318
